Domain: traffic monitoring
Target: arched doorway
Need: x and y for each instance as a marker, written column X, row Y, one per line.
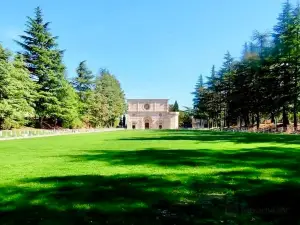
column 134, row 125
column 160, row 124
column 147, row 125
column 147, row 122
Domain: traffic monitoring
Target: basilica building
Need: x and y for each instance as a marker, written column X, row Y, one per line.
column 150, row 114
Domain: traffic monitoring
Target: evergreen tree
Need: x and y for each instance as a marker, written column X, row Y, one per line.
column 44, row 61
column 171, row 108
column 69, row 113
column 283, row 40
column 264, row 83
column 295, row 30
column 176, row 107
column 213, row 97
column 83, row 83
column 199, row 100
column 245, row 51
column 84, row 80
column 212, row 79
column 225, row 87
column 198, row 86
column 16, row 92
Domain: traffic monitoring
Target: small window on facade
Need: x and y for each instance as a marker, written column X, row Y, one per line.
column 160, row 115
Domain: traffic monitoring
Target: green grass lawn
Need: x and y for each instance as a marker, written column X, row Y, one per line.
column 151, row 177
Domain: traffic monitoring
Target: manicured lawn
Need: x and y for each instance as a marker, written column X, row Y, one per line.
column 151, row 177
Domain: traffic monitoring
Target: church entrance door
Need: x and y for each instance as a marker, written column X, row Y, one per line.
column 147, row 125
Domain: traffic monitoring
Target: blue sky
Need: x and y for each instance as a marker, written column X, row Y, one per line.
column 156, row 48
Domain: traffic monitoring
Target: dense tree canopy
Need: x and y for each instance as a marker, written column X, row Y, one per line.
column 16, row 91
column 44, row 61
column 84, row 81
column 34, row 89
column 83, row 84
column 263, row 84
column 107, row 101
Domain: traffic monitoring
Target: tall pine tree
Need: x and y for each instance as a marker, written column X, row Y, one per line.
column 84, row 81
column 283, row 41
column 44, row 61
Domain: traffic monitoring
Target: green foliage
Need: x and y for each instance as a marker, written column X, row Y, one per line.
column 174, row 107
column 69, row 107
column 16, row 92
column 187, row 177
column 44, row 61
column 185, row 119
column 264, row 83
column 84, row 80
column 34, row 87
column 107, row 102
column 83, row 83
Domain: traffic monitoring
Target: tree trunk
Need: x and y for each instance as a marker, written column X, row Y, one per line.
column 285, row 120
column 228, row 122
column 252, row 120
column 257, row 121
column 41, row 120
column 246, row 120
column 240, row 121
column 272, row 117
column 296, row 85
column 1, row 122
column 224, row 119
column 295, row 115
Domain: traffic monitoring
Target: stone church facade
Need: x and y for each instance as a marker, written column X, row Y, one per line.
column 150, row 114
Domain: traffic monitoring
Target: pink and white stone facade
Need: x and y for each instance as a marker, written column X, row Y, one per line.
column 150, row 114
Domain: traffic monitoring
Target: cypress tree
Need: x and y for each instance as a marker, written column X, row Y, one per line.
column 176, row 107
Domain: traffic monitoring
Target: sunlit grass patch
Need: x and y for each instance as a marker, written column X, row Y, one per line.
column 149, row 177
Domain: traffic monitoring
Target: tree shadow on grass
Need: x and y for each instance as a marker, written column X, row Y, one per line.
column 213, row 136
column 285, row 159
column 228, row 195
column 127, row 199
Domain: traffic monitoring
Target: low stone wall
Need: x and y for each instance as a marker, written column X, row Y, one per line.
column 33, row 133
